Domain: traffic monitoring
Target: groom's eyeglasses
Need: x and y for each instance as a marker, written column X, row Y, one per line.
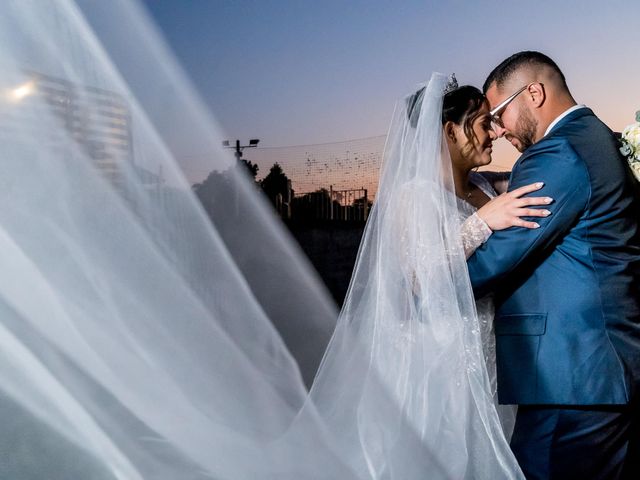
column 497, row 112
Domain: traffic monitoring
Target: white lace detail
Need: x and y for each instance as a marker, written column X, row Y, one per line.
column 474, row 232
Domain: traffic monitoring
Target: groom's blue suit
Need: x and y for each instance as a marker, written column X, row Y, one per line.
column 568, row 293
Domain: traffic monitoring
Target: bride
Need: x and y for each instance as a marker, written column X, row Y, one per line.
column 411, row 365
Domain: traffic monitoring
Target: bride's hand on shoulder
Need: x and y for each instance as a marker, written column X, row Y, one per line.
column 506, row 209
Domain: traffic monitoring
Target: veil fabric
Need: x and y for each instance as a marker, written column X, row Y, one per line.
column 138, row 339
column 144, row 337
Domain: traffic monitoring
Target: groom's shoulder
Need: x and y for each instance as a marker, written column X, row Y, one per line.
column 551, row 157
column 582, row 127
column 550, row 149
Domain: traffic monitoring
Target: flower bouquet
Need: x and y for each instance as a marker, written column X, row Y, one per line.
column 630, row 148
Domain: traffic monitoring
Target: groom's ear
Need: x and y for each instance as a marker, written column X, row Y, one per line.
column 537, row 94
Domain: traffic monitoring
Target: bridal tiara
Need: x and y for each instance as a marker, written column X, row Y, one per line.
column 452, row 84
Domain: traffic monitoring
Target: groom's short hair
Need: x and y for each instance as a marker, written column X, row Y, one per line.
column 515, row 62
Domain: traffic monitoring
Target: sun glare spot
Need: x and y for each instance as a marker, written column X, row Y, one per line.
column 18, row 94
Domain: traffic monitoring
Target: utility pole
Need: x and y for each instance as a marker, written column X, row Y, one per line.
column 239, row 148
column 238, row 153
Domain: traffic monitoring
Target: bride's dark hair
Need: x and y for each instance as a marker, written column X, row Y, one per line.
column 460, row 106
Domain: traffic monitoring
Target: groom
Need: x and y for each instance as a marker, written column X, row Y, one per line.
column 568, row 293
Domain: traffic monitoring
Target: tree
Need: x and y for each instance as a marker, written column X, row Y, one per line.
column 221, row 180
column 277, row 186
column 276, row 182
column 251, row 167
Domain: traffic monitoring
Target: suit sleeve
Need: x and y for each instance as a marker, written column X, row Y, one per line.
column 566, row 180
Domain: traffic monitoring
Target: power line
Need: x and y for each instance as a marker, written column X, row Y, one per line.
column 326, row 143
column 343, row 165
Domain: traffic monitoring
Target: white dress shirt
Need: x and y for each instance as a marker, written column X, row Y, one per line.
column 562, row 115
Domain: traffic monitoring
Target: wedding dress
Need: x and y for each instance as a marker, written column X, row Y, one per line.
column 139, row 339
column 474, row 233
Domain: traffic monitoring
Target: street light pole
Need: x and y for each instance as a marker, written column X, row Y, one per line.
column 239, row 148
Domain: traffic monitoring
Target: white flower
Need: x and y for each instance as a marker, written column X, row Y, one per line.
column 631, row 137
column 626, row 150
column 630, row 145
column 635, row 167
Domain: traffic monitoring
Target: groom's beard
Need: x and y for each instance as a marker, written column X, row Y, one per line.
column 526, row 127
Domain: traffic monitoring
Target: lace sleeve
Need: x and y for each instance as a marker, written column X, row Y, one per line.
column 474, row 232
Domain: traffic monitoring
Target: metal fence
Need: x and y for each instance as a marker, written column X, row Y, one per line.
column 332, row 205
column 348, row 165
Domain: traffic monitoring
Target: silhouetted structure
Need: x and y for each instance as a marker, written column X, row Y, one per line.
column 332, row 205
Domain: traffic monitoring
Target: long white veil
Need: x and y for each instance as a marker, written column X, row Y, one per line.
column 137, row 338
column 142, row 338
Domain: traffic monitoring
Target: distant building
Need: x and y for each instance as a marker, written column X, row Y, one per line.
column 98, row 120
